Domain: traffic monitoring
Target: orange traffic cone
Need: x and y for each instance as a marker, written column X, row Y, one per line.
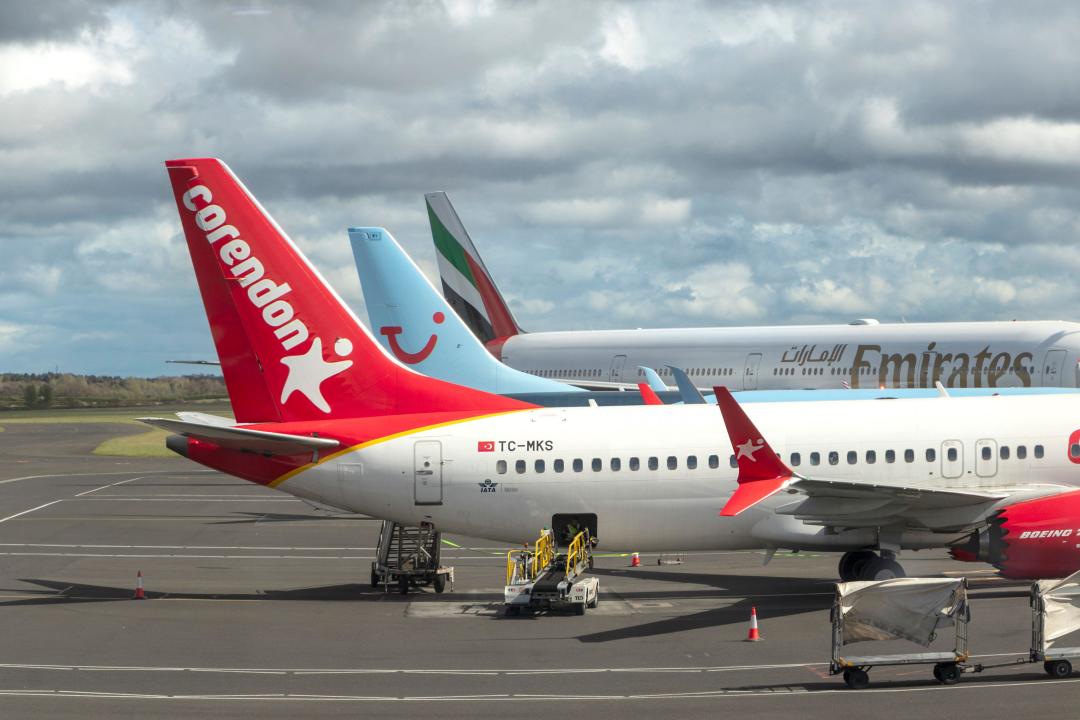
column 754, row 635
column 140, row 594
column 635, row 560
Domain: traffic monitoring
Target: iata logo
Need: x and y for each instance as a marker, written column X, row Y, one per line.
column 411, row 358
column 487, row 486
column 308, row 370
column 748, row 448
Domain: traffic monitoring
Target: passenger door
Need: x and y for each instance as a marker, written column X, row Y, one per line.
column 1052, row 368
column 617, row 364
column 952, row 459
column 753, row 360
column 427, row 472
column 986, row 454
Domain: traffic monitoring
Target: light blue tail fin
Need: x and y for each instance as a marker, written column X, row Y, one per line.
column 413, row 321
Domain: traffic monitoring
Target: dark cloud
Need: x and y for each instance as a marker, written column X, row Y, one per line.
column 50, row 19
column 771, row 163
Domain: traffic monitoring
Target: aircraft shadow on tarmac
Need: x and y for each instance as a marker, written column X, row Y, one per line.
column 62, row 592
column 244, row 518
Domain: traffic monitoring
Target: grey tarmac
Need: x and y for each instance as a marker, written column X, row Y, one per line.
column 259, row 604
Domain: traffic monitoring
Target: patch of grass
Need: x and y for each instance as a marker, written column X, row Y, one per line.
column 143, row 445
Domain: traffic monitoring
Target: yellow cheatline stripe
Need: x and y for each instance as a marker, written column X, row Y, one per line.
column 386, row 438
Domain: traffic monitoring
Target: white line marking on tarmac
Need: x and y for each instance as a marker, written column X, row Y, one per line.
column 221, row 557
column 106, row 474
column 25, row 512
column 122, row 498
column 208, row 547
column 118, row 482
column 786, row 691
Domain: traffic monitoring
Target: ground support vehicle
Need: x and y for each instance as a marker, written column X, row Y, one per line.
column 410, row 556
column 543, row 579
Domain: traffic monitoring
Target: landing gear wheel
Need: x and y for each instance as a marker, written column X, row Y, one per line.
column 947, row 673
column 374, row 576
column 856, row 678
column 403, row 584
column 851, row 562
column 881, row 569
column 1058, row 668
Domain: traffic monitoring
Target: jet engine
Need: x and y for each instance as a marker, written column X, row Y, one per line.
column 1030, row 540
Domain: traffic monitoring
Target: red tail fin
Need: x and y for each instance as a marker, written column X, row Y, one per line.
column 290, row 349
column 761, row 472
column 648, row 396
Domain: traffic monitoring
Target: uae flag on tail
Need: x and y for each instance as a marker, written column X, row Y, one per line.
column 466, row 283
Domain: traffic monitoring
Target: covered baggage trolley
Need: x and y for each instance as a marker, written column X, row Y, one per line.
column 903, row 608
column 1055, row 613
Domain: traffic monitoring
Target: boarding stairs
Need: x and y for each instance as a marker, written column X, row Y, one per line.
column 409, row 556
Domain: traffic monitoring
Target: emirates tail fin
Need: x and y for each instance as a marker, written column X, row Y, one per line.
column 467, row 284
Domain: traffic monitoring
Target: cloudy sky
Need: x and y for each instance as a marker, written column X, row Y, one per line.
column 618, row 165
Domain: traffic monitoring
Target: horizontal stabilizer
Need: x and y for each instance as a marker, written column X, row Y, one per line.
column 236, row 438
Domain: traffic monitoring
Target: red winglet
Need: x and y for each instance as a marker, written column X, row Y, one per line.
column 761, row 472
column 647, row 395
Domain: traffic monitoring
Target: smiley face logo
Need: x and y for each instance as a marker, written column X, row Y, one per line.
column 392, row 331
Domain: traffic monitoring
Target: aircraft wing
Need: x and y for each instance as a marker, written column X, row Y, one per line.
column 847, row 503
column 238, row 438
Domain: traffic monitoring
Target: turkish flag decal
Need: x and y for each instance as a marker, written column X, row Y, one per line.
column 485, row 446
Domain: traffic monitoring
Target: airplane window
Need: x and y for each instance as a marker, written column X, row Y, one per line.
column 871, row 457
column 557, row 466
column 815, row 458
column 672, row 462
column 732, row 461
column 1074, row 450
column 852, row 457
column 500, row 467
column 578, row 465
column 795, row 459
column 909, row 456
column 538, row 466
column 1021, row 452
column 1003, row 452
column 1038, row 452
column 654, row 463
column 951, row 454
column 691, row 462
column 616, row 464
column 597, row 464
column 714, row 461
column 834, row 457
column 890, row 456
column 635, row 464
column 931, row 455
column 519, row 466
column 987, row 453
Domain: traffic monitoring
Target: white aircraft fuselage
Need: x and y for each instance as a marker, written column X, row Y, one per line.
column 958, row 354
column 656, row 476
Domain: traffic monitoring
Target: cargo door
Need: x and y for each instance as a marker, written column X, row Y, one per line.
column 1052, row 368
column 617, row 364
column 427, row 472
column 750, row 372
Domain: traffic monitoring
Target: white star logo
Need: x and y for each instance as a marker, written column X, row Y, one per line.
column 748, row 448
column 308, row 371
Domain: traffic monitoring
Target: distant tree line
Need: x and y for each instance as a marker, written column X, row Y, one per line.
column 45, row 390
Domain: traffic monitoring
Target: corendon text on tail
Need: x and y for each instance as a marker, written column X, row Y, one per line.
column 325, row 413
